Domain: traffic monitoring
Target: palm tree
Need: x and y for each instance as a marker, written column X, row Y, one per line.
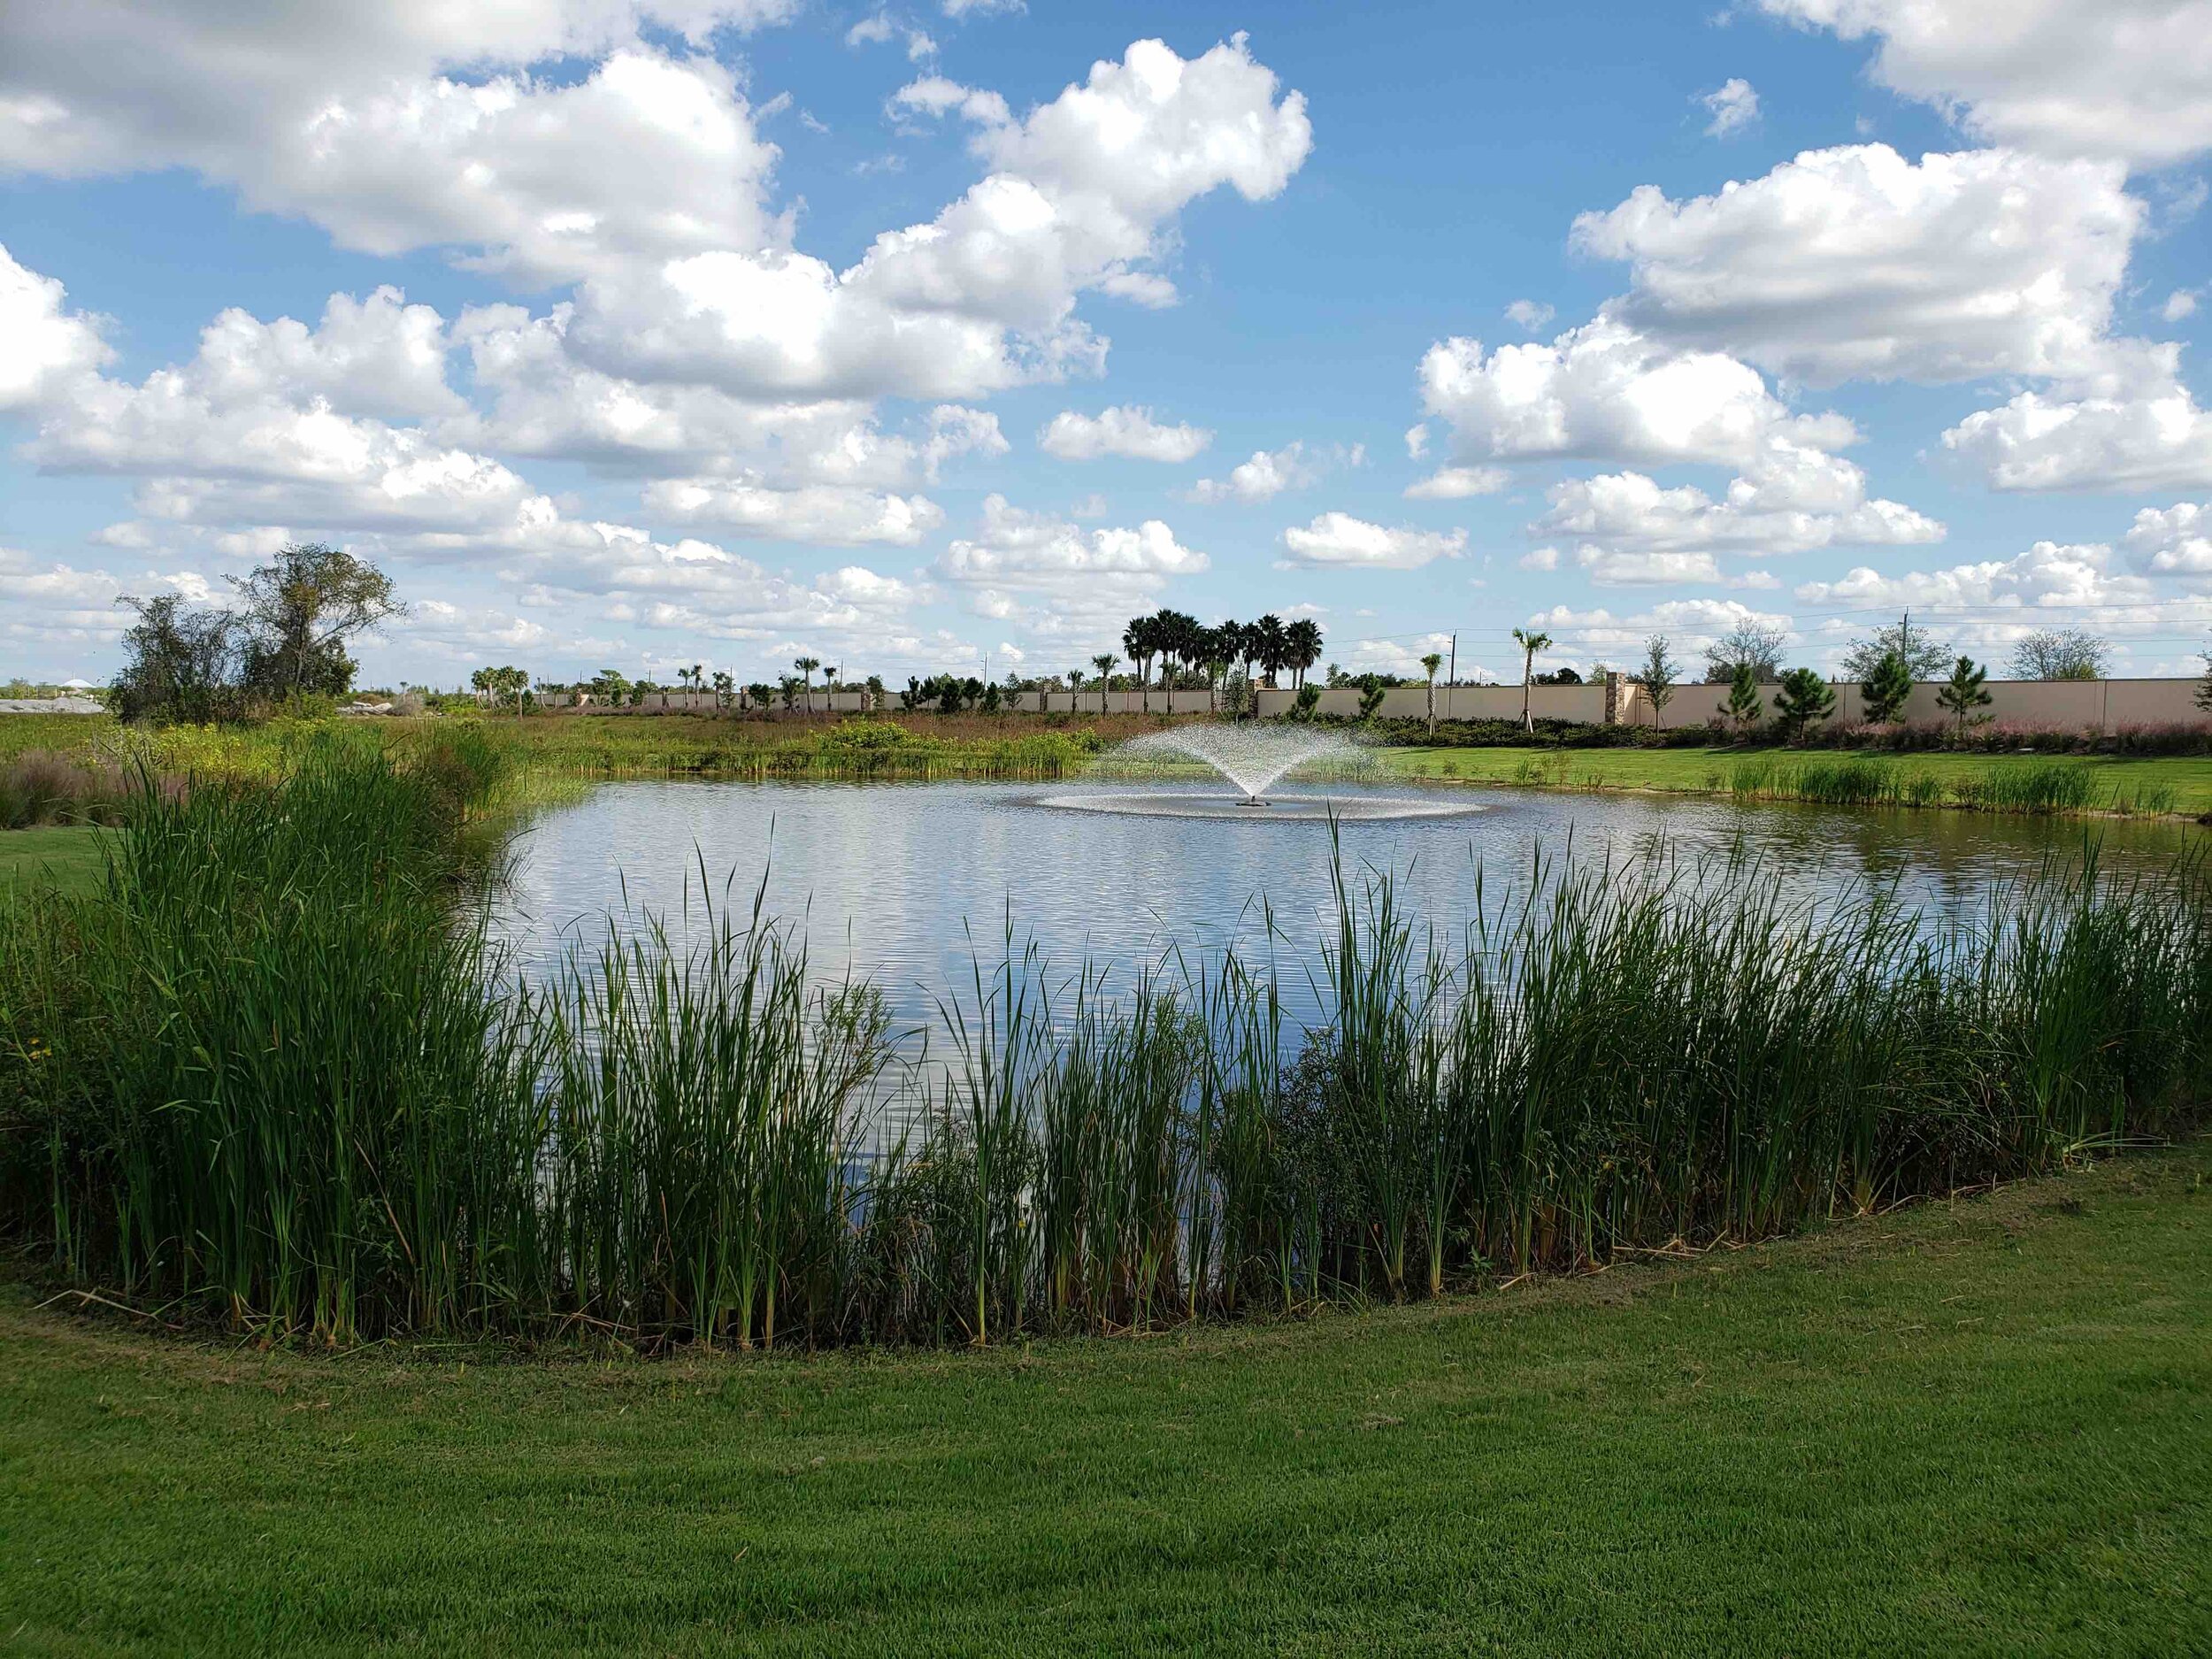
column 1075, row 684
column 1530, row 644
column 1138, row 640
column 1104, row 664
column 806, row 665
column 1303, row 638
column 1216, row 647
column 1433, row 661
column 1274, row 641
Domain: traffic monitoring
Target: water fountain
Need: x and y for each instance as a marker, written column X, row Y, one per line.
column 1255, row 756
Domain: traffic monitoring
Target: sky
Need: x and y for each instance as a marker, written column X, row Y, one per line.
column 641, row 334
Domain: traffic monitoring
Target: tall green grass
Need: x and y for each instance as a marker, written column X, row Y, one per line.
column 2049, row 787
column 272, row 1074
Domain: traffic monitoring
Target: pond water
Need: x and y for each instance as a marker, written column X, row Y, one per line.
column 894, row 880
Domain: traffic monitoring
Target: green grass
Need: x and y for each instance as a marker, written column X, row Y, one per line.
column 1975, row 1427
column 64, row 856
column 1710, row 771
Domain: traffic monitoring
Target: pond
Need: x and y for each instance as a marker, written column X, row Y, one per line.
column 907, row 883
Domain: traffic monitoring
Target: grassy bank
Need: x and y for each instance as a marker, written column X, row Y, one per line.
column 1013, row 745
column 1958, row 780
column 1975, row 1427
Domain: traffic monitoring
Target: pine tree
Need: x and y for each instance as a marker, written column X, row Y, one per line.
column 1965, row 693
column 1805, row 697
column 1744, row 703
column 1886, row 688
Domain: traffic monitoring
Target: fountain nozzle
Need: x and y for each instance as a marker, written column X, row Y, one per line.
column 1253, row 800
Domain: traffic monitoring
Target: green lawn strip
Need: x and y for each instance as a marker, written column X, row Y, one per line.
column 1701, row 770
column 59, row 856
column 1977, row 1427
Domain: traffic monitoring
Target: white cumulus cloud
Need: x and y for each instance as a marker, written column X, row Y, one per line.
column 2129, row 79
column 1338, row 540
column 1125, row 431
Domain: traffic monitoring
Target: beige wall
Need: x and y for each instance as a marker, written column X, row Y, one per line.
column 2100, row 705
column 2104, row 706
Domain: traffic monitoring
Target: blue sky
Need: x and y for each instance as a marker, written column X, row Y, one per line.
column 1940, row 345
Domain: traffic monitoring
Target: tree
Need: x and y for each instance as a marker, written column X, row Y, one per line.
column 762, row 694
column 2060, row 653
column 806, row 665
column 609, row 686
column 1301, row 706
column 178, row 665
column 1566, row 675
column 1104, row 663
column 1660, row 672
column 1433, row 661
column 1303, row 639
column 1965, row 691
column 1273, row 642
column 1744, row 704
column 1137, row 639
column 2204, row 690
column 1805, row 697
column 300, row 609
column 1753, row 642
column 1886, row 688
column 1530, row 644
column 725, row 690
column 875, row 692
column 499, row 684
column 1924, row 655
column 1371, row 696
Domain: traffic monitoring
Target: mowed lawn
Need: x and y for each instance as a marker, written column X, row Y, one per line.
column 1982, row 1427
column 1699, row 770
column 57, row 856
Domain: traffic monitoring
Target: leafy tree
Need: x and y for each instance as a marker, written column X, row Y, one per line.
column 725, row 689
column 991, row 698
column 875, row 692
column 1530, row 644
column 2204, row 690
column 1805, row 697
column 1302, row 705
column 300, row 610
column 1568, row 675
column 1660, row 672
column 1753, row 642
column 761, row 693
column 178, row 665
column 1744, row 705
column 2060, row 653
column 1104, row 663
column 1924, row 655
column 1371, row 696
column 1433, row 661
column 1886, row 688
column 1965, row 691
column 608, row 688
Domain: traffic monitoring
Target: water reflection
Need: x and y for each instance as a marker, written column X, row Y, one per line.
column 898, row 882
